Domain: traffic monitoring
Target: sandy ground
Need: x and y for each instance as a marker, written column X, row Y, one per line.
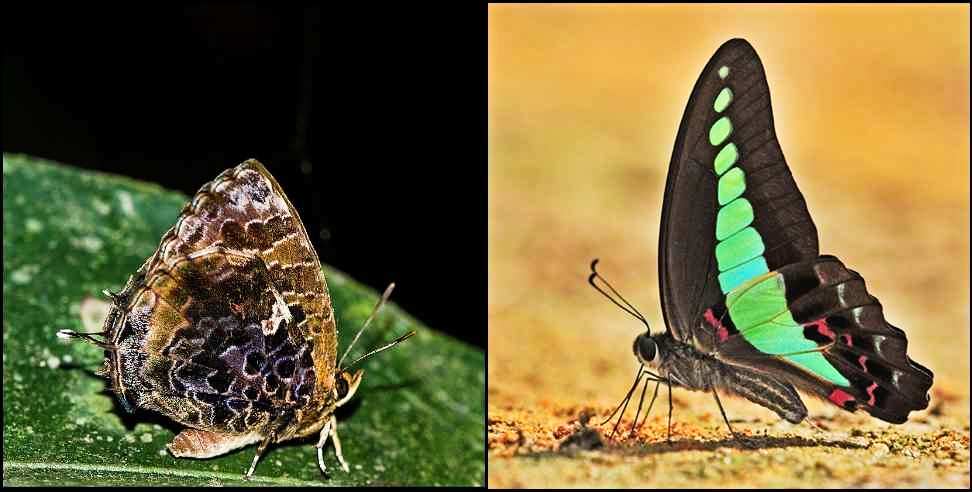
column 584, row 103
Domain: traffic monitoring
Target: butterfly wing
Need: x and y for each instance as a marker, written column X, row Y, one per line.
column 246, row 210
column 814, row 325
column 731, row 209
column 208, row 340
column 740, row 273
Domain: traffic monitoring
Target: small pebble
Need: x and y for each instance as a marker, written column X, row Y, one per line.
column 879, row 449
column 860, row 441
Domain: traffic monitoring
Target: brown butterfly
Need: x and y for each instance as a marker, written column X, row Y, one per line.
column 228, row 327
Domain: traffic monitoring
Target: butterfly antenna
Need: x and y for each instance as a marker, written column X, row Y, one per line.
column 378, row 305
column 87, row 337
column 383, row 348
column 627, row 307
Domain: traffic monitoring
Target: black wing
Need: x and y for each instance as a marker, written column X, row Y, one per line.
column 688, row 268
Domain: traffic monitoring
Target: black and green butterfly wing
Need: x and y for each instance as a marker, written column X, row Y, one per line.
column 740, row 141
column 740, row 272
column 815, row 325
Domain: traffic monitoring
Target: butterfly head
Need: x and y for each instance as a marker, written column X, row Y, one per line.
column 647, row 350
column 345, row 385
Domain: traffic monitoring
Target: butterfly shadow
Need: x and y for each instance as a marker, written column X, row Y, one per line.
column 741, row 443
column 589, row 439
column 128, row 419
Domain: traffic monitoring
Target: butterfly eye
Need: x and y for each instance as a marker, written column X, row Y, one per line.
column 645, row 349
column 342, row 387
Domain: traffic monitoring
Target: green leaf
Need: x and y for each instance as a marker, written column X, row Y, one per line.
column 418, row 417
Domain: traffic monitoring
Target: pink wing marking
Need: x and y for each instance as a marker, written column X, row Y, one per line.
column 870, row 392
column 840, row 397
column 721, row 330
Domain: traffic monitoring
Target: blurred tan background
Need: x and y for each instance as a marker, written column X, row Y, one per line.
column 872, row 111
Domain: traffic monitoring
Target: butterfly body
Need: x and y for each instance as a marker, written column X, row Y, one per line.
column 688, row 367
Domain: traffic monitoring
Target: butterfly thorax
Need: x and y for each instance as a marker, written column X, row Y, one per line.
column 685, row 365
column 688, row 367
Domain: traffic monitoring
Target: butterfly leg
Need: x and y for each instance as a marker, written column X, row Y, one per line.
column 641, row 401
column 337, row 446
column 723, row 412
column 669, row 381
column 259, row 452
column 325, row 433
column 330, row 430
column 813, row 425
column 624, row 402
column 651, row 404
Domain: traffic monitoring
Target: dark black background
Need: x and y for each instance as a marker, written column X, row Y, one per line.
column 371, row 117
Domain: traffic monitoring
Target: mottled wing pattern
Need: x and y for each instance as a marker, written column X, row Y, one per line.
column 226, row 361
column 727, row 177
column 244, row 209
column 814, row 325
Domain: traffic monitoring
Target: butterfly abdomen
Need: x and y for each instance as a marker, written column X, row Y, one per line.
column 698, row 371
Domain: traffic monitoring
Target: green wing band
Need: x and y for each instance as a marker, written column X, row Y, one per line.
column 731, row 185
column 759, row 311
column 740, row 273
column 726, row 158
column 739, row 247
column 733, row 218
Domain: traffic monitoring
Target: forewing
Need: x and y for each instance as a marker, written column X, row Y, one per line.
column 732, row 210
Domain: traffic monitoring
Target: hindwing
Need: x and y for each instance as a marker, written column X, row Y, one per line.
column 815, row 325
